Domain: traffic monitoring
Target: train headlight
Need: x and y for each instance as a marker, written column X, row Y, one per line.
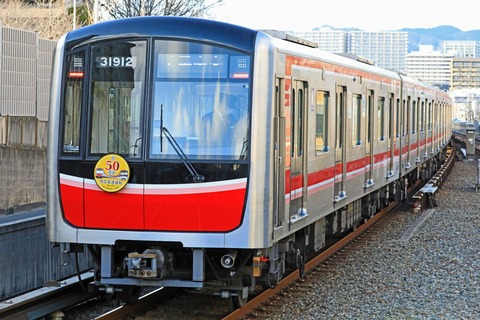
column 228, row 260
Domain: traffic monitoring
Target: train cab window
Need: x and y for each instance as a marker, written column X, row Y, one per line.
column 200, row 102
column 357, row 120
column 381, row 119
column 117, row 89
column 73, row 99
column 321, row 122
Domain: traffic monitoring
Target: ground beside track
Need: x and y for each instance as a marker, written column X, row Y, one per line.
column 431, row 271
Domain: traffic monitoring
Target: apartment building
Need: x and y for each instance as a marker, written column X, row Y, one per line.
column 429, row 65
column 462, row 49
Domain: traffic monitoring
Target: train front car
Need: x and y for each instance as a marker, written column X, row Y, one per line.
column 149, row 153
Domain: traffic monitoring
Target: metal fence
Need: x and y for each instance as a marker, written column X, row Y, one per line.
column 25, row 67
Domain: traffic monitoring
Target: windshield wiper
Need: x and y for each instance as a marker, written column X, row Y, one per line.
column 196, row 177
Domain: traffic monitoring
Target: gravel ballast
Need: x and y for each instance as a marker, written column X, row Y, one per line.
column 431, row 271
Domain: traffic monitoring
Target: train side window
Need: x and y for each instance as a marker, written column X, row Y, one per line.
column 357, row 120
column 369, row 115
column 321, row 122
column 381, row 119
column 398, row 117
column 414, row 117
column 406, row 120
column 422, row 117
column 391, row 121
column 301, row 98
column 429, row 116
column 73, row 100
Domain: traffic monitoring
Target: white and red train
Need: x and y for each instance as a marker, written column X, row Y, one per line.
column 184, row 152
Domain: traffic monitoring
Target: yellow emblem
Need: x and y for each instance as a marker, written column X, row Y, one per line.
column 111, row 173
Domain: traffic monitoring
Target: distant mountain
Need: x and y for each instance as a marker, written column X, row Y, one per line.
column 428, row 36
column 436, row 36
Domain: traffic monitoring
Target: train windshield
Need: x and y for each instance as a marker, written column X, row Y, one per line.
column 198, row 107
column 200, row 100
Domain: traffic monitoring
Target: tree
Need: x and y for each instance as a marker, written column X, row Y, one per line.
column 134, row 8
column 48, row 18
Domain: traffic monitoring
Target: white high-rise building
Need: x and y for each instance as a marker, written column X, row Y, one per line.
column 328, row 39
column 387, row 49
column 462, row 49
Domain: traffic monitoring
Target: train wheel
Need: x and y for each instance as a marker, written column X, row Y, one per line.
column 237, row 300
column 239, row 297
column 271, row 280
column 131, row 294
column 301, row 265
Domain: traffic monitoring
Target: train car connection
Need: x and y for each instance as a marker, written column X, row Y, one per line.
column 186, row 152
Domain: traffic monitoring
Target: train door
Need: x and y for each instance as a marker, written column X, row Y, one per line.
column 340, row 169
column 279, row 154
column 297, row 143
column 369, row 141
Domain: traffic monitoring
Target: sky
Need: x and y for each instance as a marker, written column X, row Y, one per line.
column 368, row 15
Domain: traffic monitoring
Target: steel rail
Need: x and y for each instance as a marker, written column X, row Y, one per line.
column 43, row 302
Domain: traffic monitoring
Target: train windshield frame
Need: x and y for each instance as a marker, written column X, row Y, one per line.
column 157, row 99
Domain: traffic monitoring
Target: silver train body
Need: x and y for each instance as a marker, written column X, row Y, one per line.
column 330, row 141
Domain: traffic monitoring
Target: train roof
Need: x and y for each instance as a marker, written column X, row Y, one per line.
column 220, row 32
column 293, row 44
column 165, row 26
column 283, row 42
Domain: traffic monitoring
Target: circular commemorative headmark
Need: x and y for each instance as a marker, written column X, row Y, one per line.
column 111, row 173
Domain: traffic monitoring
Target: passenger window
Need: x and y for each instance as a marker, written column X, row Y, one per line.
column 357, row 120
column 381, row 119
column 414, row 117
column 422, row 117
column 321, row 122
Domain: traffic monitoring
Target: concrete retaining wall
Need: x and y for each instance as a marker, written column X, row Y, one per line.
column 22, row 161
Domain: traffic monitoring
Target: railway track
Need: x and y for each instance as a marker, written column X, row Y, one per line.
column 46, row 301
